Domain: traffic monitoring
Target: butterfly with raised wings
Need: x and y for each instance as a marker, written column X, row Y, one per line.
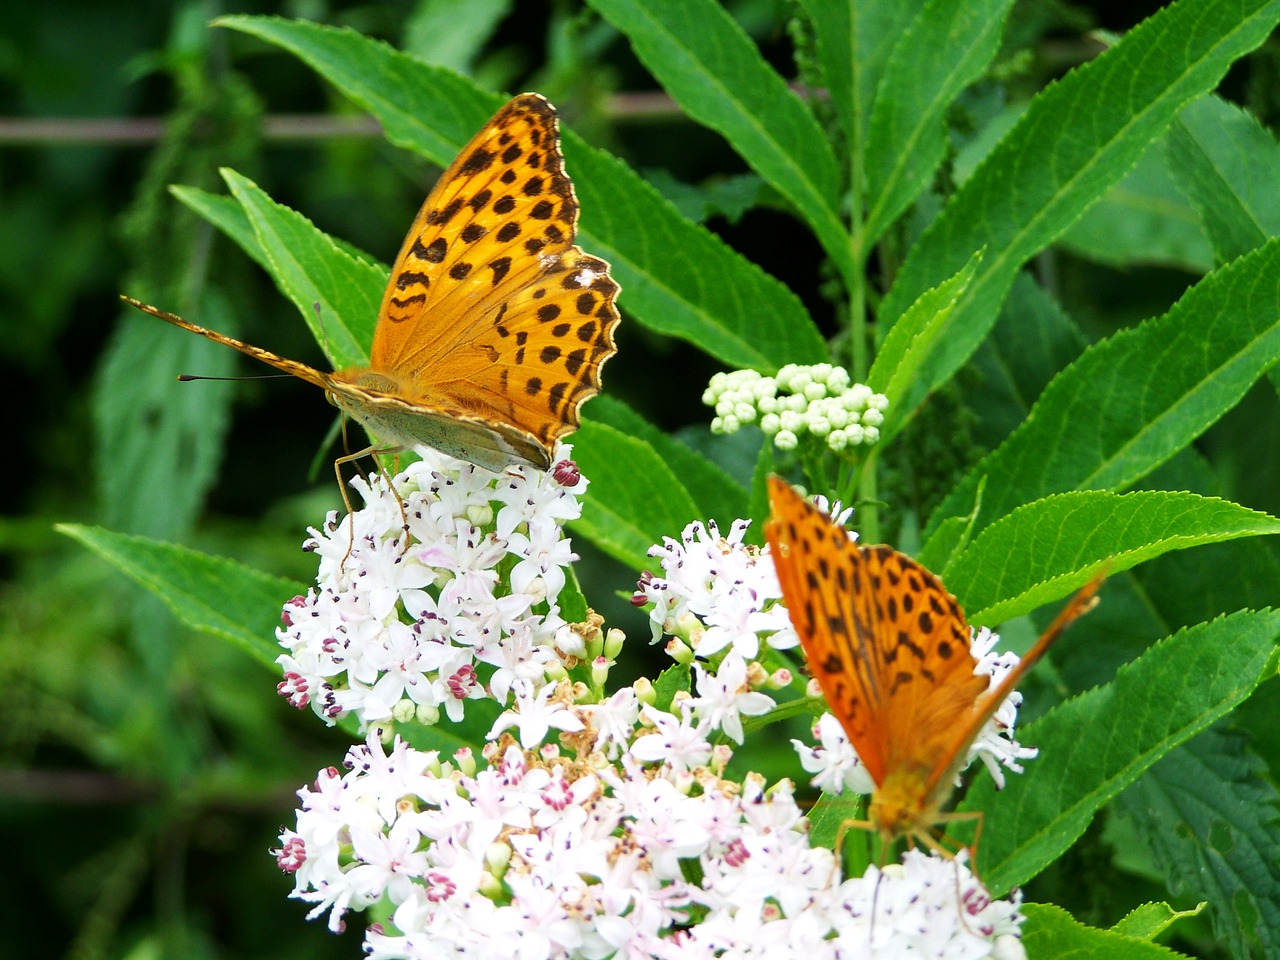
column 889, row 646
column 494, row 325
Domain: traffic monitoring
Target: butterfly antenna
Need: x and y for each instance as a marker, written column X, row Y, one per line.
column 188, row 377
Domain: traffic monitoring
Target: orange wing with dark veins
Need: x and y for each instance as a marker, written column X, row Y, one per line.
column 890, row 648
column 494, row 326
column 491, row 311
column 887, row 644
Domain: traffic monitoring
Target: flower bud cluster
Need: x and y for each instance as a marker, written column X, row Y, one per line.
column 816, row 401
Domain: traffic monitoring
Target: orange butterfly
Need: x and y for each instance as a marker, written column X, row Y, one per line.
column 494, row 326
column 890, row 649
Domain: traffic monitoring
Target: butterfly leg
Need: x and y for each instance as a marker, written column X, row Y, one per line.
column 936, row 844
column 369, row 451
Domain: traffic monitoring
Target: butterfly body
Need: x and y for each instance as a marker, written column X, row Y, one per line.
column 890, row 648
column 493, row 326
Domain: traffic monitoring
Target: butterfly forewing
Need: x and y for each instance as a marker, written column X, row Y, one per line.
column 493, row 245
column 816, row 562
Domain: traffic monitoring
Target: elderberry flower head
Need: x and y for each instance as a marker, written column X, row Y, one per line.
column 590, row 824
column 816, row 401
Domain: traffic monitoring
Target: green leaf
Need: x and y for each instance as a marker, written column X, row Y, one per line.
column 212, row 594
column 230, row 217
column 1149, row 920
column 918, row 335
column 713, row 70
column 1063, row 541
column 309, row 268
column 1143, row 219
column 447, row 736
column 717, row 495
column 677, row 278
column 953, row 535
column 854, row 41
column 453, row 33
column 1051, row 933
column 1077, row 138
column 1130, row 403
column 1030, row 343
column 1211, row 815
column 634, row 499
column 153, row 481
column 908, row 136
column 673, row 680
column 1096, row 745
column 1229, row 166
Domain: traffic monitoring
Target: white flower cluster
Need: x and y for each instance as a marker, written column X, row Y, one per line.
column 716, row 593
column 591, row 825
column 422, row 609
column 817, row 400
column 540, row 856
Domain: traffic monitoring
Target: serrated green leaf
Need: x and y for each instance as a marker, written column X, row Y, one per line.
column 634, row 499
column 1149, row 920
column 677, row 278
column 227, row 215
column 907, row 138
column 230, row 217
column 1130, row 403
column 1143, row 219
column 1030, row 343
column 1211, row 815
column 918, row 335
column 1047, row 549
column 1077, row 138
column 953, row 535
column 854, row 41
column 212, row 594
column 1229, row 166
column 1051, row 933
column 713, row 70
column 1096, row 745
column 309, row 268
column 717, row 495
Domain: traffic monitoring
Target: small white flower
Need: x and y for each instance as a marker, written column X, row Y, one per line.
column 676, row 743
column 535, row 715
column 725, row 697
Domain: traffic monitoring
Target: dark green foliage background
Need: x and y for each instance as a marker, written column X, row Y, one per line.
column 146, row 769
